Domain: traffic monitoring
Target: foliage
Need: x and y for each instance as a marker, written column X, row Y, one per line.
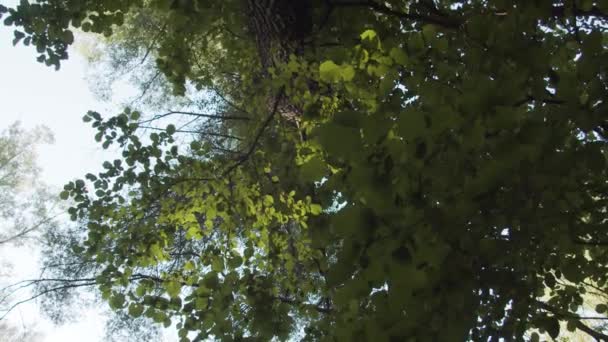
column 398, row 170
column 124, row 328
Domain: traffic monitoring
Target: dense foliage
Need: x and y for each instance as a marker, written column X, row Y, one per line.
column 372, row 170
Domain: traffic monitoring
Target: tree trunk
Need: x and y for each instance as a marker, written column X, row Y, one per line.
column 279, row 27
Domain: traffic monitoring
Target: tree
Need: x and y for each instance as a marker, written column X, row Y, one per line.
column 386, row 170
column 128, row 56
column 26, row 205
column 10, row 333
column 28, row 212
column 24, row 200
column 64, row 289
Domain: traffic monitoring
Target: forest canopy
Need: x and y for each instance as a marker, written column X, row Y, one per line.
column 360, row 169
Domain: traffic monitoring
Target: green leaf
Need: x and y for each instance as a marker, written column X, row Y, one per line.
column 195, row 145
column 314, row 169
column 211, row 280
column 248, row 252
column 68, row 37
column 170, row 129
column 552, row 327
column 601, row 308
column 117, row 301
column 331, row 72
column 429, row 31
column 18, row 36
column 268, row 201
column 534, row 337
column 141, row 290
column 347, row 72
column 173, row 288
column 217, row 265
column 368, row 35
column 399, row 56
column 135, row 310
column 571, row 326
column 194, row 232
column 316, row 209
column 189, row 266
column 235, row 262
column 411, row 124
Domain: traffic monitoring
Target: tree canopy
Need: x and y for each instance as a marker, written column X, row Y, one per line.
column 368, row 170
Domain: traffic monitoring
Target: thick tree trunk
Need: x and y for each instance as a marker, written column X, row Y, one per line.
column 279, row 27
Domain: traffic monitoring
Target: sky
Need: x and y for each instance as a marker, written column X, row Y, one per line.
column 35, row 94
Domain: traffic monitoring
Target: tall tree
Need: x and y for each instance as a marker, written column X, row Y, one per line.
column 25, row 203
column 386, row 170
column 26, row 208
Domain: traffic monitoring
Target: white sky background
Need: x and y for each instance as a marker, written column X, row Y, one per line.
column 35, row 94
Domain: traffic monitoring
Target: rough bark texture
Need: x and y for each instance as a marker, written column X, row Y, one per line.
column 279, row 28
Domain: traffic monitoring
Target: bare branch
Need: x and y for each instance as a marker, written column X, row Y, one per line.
column 58, row 288
column 230, row 103
column 200, row 115
column 254, row 144
column 146, row 87
column 27, row 230
column 152, row 43
column 227, row 136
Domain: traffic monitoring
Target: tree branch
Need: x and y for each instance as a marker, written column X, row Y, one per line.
column 265, row 124
column 200, row 115
column 58, row 288
column 26, row 230
column 442, row 21
column 591, row 243
column 576, row 319
column 227, row 136
column 317, row 307
column 152, row 43
column 230, row 103
column 560, row 12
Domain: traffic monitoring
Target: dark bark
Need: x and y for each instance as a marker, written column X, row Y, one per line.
column 279, row 27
